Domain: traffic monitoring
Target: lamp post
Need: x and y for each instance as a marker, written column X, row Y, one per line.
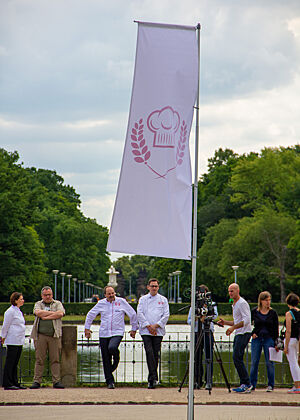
column 235, row 269
column 171, row 287
column 174, row 274
column 177, row 273
column 74, row 280
column 62, row 286
column 69, row 287
column 79, row 290
column 83, row 290
column 87, row 290
column 55, row 272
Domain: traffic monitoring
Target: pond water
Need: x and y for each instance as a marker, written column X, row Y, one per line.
column 133, row 367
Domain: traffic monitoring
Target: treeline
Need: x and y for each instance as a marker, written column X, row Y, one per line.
column 42, row 228
column 248, row 216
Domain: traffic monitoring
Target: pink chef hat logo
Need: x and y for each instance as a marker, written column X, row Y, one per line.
column 164, row 123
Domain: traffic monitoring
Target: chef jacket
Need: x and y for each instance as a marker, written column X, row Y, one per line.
column 153, row 310
column 112, row 317
column 13, row 329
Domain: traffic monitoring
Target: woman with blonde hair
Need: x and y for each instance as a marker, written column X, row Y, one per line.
column 264, row 334
column 291, row 342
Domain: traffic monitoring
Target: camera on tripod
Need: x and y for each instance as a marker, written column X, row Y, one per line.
column 204, row 305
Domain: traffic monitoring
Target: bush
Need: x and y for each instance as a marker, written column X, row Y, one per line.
column 175, row 308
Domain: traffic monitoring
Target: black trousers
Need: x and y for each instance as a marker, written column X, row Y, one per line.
column 206, row 345
column 109, row 349
column 152, row 344
column 10, row 374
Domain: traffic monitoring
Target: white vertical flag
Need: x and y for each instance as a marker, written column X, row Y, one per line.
column 153, row 208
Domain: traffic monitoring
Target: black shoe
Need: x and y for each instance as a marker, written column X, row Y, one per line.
column 111, row 386
column 12, row 388
column 22, row 387
column 58, row 385
column 35, row 385
column 151, row 385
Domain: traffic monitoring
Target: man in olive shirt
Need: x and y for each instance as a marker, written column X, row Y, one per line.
column 46, row 333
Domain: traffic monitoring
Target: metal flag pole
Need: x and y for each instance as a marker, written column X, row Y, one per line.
column 190, row 412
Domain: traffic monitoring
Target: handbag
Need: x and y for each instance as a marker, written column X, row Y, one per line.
column 279, row 342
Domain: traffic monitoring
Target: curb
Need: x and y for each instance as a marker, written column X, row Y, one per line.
column 219, row 403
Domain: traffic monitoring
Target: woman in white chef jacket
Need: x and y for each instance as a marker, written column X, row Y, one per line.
column 13, row 335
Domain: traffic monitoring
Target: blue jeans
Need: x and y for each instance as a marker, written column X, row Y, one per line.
column 257, row 344
column 239, row 345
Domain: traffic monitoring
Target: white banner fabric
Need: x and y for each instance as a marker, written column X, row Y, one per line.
column 153, row 208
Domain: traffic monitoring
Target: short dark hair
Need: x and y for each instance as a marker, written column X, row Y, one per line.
column 151, row 280
column 292, row 299
column 14, row 297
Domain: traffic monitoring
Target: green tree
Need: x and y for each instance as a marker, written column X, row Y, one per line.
column 260, row 248
column 210, row 256
column 21, row 251
column 271, row 179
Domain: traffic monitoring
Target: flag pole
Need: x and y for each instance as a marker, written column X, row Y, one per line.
column 190, row 413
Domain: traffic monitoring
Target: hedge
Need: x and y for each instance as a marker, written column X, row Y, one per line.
column 175, row 308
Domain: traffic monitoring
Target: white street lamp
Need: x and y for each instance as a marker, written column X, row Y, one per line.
column 235, row 269
column 177, row 273
column 62, row 286
column 55, row 272
column 74, row 280
column 69, row 287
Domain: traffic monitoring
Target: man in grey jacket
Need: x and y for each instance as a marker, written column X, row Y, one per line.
column 46, row 333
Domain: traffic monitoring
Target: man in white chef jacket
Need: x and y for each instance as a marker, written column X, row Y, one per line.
column 112, row 310
column 153, row 314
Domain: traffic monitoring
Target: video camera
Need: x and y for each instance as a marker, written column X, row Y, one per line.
column 204, row 304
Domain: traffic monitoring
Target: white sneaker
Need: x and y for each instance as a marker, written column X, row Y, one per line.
column 294, row 390
column 269, row 389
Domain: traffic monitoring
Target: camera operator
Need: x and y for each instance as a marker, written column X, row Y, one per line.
column 204, row 304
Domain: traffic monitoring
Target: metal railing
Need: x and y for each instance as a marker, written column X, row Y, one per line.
column 133, row 367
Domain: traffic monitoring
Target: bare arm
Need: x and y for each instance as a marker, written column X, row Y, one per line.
column 222, row 322
column 288, row 318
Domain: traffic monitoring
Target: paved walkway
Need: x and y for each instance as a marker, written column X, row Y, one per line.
column 126, row 403
column 144, row 396
column 142, row 412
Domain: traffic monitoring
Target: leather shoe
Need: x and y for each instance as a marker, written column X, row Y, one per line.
column 12, row 388
column 151, row 385
column 22, row 387
column 58, row 385
column 35, row 385
column 111, row 386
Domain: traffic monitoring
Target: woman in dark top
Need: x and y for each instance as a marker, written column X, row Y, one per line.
column 291, row 342
column 264, row 334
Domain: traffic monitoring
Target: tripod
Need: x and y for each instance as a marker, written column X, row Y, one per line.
column 203, row 335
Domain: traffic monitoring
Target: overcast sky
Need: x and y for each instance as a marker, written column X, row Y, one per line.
column 66, row 75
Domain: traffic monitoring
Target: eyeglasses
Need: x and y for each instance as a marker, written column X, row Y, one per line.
column 47, row 294
column 153, row 286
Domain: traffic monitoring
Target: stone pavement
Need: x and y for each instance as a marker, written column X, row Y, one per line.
column 143, row 396
column 126, row 403
column 147, row 412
